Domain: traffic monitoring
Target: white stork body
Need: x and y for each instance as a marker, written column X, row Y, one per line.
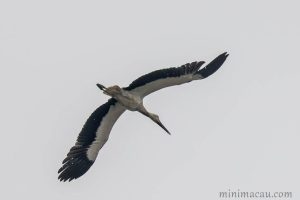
column 96, row 130
column 128, row 99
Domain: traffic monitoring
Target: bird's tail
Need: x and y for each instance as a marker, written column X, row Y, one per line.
column 213, row 66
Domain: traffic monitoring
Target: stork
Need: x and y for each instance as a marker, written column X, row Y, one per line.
column 96, row 130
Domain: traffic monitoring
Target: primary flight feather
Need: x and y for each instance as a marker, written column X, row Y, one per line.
column 96, row 130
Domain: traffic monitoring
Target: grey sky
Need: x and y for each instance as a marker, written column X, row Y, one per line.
column 238, row 129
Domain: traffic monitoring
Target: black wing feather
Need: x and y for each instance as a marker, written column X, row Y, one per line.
column 213, row 66
column 189, row 68
column 165, row 73
column 77, row 163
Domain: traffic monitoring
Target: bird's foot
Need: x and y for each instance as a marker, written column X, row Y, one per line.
column 101, row 87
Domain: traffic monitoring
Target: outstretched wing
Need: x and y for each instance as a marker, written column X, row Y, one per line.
column 91, row 139
column 174, row 76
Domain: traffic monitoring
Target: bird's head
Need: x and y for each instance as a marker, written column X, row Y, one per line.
column 113, row 91
column 156, row 119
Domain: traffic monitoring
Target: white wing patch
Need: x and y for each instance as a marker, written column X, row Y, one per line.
column 153, row 86
column 104, row 129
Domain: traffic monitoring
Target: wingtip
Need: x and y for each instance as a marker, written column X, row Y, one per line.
column 74, row 169
column 222, row 56
column 225, row 54
column 213, row 66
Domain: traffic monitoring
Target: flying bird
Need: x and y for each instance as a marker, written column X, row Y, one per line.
column 96, row 130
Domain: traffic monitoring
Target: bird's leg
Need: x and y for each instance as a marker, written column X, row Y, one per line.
column 101, row 87
column 154, row 118
column 104, row 89
column 112, row 91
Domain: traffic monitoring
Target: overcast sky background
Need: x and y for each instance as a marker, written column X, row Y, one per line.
column 238, row 129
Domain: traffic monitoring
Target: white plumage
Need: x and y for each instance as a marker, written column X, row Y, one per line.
column 96, row 130
column 102, row 133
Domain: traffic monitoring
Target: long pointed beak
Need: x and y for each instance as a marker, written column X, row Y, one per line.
column 162, row 126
